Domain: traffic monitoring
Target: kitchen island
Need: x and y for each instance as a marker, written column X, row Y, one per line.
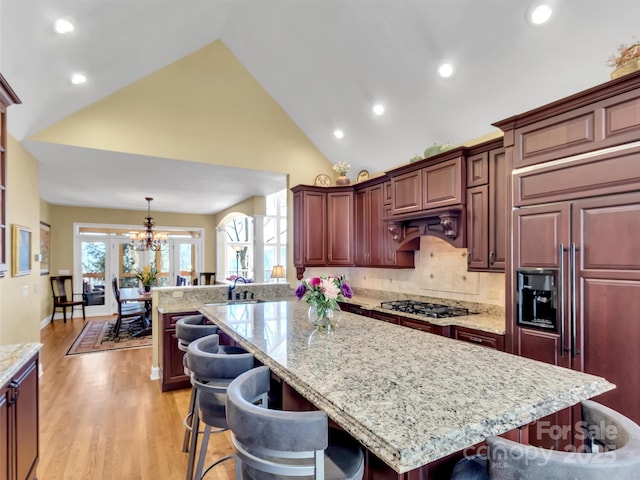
column 409, row 397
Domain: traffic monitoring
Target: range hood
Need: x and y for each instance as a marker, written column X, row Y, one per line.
column 446, row 223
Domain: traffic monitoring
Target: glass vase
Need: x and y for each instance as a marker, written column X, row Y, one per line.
column 325, row 318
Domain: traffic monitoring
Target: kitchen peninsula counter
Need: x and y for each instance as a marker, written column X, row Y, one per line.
column 15, row 356
column 409, row 397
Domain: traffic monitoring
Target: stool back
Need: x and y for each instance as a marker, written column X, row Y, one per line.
column 192, row 327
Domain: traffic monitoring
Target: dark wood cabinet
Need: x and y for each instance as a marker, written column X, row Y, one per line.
column 477, row 337
column 386, row 317
column 19, row 421
column 170, row 355
column 7, row 98
column 443, row 183
column 443, row 330
column 370, row 231
column 323, row 227
column 487, row 209
column 406, row 192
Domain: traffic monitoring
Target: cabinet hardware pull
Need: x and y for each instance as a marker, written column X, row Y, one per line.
column 561, row 320
column 475, row 339
column 492, row 258
column 469, row 257
column 574, row 267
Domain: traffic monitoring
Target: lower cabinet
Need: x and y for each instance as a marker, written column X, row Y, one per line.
column 486, row 339
column 173, row 376
column 19, row 452
column 442, row 330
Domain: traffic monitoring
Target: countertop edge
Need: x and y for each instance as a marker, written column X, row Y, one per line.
column 15, row 356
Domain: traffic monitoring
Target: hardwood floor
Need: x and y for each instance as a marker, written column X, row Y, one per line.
column 101, row 417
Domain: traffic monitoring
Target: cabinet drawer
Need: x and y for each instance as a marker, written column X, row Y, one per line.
column 426, row 327
column 491, row 340
column 386, row 317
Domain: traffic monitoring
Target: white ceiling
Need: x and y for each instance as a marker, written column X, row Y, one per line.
column 324, row 61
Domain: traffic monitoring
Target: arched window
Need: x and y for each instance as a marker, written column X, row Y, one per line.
column 239, row 251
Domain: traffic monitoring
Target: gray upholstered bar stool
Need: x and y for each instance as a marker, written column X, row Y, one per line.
column 212, row 370
column 611, row 450
column 188, row 329
column 272, row 443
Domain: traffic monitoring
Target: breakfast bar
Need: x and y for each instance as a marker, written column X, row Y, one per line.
column 409, row 397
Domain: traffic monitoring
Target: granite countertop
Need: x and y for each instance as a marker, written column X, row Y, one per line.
column 491, row 322
column 408, row 396
column 14, row 357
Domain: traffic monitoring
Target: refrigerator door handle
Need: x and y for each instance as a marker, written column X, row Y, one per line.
column 574, row 267
column 561, row 319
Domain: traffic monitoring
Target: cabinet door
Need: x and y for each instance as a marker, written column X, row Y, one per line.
column 4, row 432
column 173, row 376
column 477, row 226
column 406, row 192
column 478, row 169
column 538, row 233
column 606, row 231
column 314, row 230
column 377, row 228
column 362, row 227
column 26, row 421
column 340, row 228
column 442, row 184
column 497, row 209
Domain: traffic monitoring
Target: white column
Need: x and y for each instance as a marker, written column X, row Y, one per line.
column 221, row 249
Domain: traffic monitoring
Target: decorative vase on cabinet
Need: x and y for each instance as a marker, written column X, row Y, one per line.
column 343, row 180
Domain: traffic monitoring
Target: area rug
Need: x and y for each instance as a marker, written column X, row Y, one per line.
column 97, row 336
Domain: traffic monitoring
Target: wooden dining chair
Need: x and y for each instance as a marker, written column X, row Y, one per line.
column 63, row 296
column 126, row 310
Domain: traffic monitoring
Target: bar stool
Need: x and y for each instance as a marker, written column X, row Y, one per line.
column 188, row 329
column 212, row 370
column 272, row 442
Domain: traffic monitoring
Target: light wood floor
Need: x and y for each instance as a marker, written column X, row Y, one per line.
column 101, row 417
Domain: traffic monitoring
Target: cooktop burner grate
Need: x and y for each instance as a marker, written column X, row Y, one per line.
column 425, row 309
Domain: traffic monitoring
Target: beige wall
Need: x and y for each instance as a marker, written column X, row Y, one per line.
column 21, row 297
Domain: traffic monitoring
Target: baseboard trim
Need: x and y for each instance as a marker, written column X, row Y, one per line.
column 45, row 322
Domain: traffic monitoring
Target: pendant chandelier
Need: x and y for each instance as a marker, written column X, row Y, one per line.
column 149, row 239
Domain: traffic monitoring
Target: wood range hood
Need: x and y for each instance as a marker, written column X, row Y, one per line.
column 446, row 223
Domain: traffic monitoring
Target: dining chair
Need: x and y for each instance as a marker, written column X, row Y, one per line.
column 205, row 278
column 181, row 281
column 126, row 310
column 63, row 296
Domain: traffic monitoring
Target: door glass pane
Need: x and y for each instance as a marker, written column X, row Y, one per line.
column 129, row 261
column 187, row 259
column 161, row 261
column 93, row 271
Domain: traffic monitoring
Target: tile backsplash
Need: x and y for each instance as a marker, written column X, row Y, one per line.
column 441, row 272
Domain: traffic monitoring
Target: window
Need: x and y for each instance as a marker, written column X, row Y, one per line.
column 275, row 233
column 239, row 237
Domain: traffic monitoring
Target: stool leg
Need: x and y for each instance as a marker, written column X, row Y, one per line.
column 203, row 451
column 195, row 427
column 188, row 421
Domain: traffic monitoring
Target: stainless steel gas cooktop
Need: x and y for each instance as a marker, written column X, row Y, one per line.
column 425, row 309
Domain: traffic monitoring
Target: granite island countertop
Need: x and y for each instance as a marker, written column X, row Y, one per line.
column 13, row 357
column 410, row 397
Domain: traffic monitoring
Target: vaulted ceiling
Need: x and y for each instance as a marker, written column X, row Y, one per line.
column 323, row 62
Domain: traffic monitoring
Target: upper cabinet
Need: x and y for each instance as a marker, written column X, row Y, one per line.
column 322, row 227
column 7, row 97
column 487, row 207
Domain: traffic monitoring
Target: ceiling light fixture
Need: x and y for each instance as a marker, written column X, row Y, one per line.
column 149, row 239
column 62, row 26
column 78, row 78
column 378, row 109
column 338, row 134
column 445, row 70
column 540, row 13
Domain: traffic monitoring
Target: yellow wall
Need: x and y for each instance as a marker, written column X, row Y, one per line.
column 20, row 316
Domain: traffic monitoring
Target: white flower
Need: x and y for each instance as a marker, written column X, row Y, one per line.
column 330, row 289
column 341, row 168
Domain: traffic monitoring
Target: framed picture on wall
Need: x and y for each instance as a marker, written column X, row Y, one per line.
column 21, row 251
column 45, row 247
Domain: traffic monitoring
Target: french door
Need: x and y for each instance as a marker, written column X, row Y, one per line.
column 100, row 258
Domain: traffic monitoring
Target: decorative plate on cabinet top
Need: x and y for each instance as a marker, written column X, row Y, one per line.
column 323, row 180
column 363, row 175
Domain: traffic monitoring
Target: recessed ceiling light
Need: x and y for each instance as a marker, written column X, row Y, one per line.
column 338, row 133
column 62, row 26
column 78, row 78
column 378, row 109
column 540, row 13
column 445, row 70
